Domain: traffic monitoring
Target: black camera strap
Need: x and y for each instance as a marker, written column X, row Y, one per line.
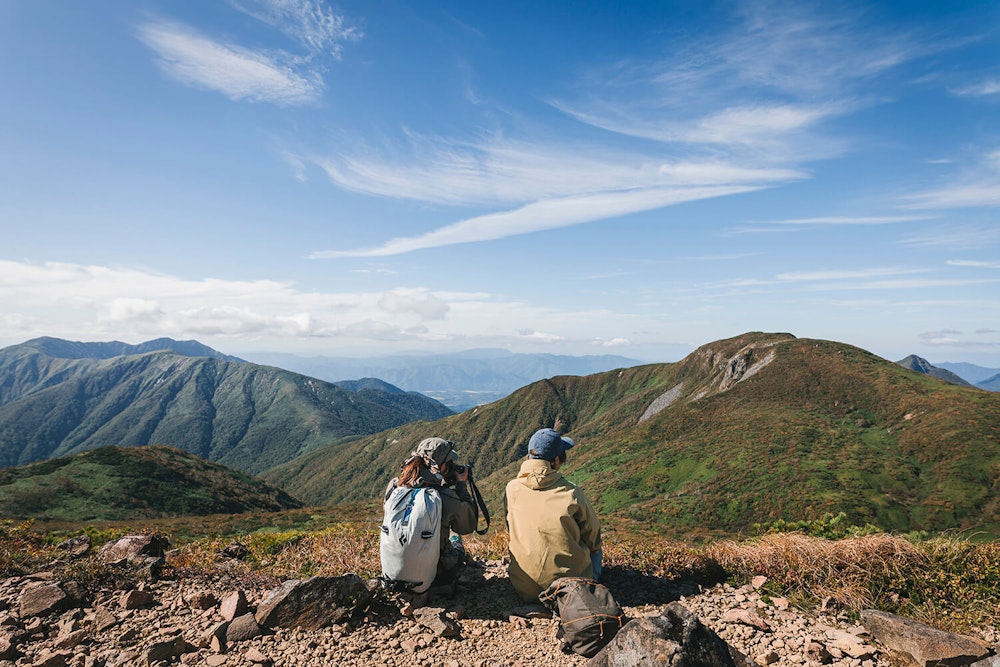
column 478, row 505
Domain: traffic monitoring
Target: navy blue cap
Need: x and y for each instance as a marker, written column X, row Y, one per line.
column 547, row 444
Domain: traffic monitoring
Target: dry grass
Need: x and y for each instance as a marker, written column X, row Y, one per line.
column 949, row 581
column 817, row 568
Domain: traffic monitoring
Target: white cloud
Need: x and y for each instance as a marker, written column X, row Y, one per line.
column 979, row 89
column 973, row 263
column 847, row 220
column 125, row 309
column 798, row 224
column 426, row 306
column 87, row 302
column 614, row 342
column 511, row 172
column 978, row 186
column 767, row 83
column 958, row 339
column 307, row 21
column 958, row 236
column 853, row 274
column 237, row 72
column 537, row 216
column 741, row 113
column 902, row 283
column 530, row 334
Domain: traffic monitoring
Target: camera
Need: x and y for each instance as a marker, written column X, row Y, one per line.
column 456, row 469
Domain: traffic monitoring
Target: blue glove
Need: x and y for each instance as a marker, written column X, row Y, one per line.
column 595, row 560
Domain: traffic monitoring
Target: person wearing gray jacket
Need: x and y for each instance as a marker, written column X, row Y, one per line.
column 429, row 466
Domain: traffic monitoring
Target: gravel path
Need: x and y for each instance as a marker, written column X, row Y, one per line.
column 489, row 637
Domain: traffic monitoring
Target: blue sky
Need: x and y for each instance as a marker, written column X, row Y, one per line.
column 570, row 177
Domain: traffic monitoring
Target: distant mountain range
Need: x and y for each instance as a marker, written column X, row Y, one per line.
column 742, row 431
column 461, row 380
column 967, row 375
column 970, row 372
column 117, row 483
column 59, row 398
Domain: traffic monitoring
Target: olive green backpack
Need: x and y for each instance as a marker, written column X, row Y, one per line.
column 589, row 617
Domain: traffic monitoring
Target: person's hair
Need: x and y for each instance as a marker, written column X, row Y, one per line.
column 561, row 457
column 410, row 472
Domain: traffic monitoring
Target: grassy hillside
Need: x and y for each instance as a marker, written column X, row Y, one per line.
column 243, row 415
column 753, row 429
column 117, row 483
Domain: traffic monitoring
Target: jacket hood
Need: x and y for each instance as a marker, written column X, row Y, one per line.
column 538, row 474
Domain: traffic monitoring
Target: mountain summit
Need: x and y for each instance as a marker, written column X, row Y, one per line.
column 921, row 365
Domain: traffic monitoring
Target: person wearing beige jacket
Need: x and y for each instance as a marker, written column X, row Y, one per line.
column 554, row 530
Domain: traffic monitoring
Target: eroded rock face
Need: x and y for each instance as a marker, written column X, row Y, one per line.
column 922, row 644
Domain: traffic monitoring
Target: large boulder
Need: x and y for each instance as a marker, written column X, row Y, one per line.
column 75, row 547
column 135, row 548
column 243, row 628
column 675, row 639
column 42, row 600
column 146, row 552
column 233, row 605
column 922, row 644
column 314, row 603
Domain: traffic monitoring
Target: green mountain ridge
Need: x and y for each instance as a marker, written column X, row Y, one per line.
column 753, row 429
column 245, row 416
column 132, row 483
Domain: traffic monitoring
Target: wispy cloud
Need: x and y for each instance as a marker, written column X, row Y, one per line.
column 849, row 280
column 961, row 237
column 766, row 129
column 538, row 216
column 781, row 71
column 973, row 263
column 978, row 185
column 741, row 113
column 954, row 338
column 827, row 221
column 512, row 172
column 838, row 274
column 237, row 72
column 983, row 88
column 901, row 283
column 847, row 220
column 308, row 21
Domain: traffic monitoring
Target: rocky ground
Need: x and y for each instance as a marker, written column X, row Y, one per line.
column 183, row 621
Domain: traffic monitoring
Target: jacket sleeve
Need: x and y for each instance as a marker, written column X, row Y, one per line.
column 590, row 524
column 459, row 509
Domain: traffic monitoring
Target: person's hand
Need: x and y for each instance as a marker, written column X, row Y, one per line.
column 462, row 476
column 559, row 426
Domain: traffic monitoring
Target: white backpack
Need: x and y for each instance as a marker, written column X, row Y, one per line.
column 410, row 540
